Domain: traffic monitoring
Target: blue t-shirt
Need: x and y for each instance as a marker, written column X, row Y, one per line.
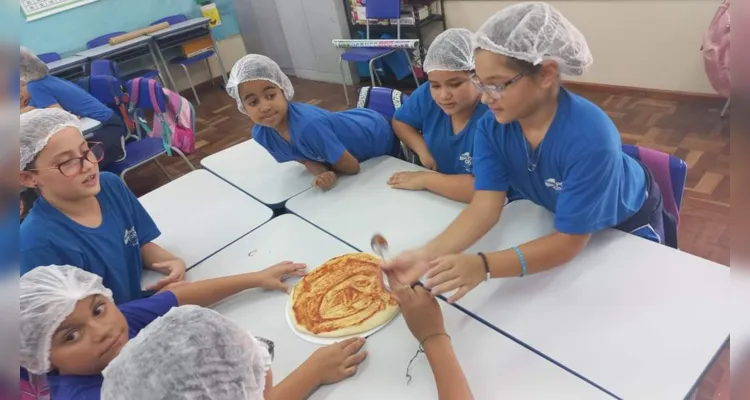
column 452, row 152
column 323, row 136
column 138, row 314
column 582, row 174
column 112, row 250
column 71, row 97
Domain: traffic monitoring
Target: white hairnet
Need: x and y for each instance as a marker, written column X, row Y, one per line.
column 534, row 32
column 47, row 296
column 450, row 51
column 255, row 67
column 189, row 353
column 31, row 67
column 38, row 126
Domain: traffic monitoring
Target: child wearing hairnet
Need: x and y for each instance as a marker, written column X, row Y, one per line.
column 41, row 90
column 83, row 217
column 438, row 121
column 326, row 143
column 552, row 146
column 71, row 330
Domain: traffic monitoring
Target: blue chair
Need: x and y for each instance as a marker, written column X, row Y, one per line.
column 669, row 173
column 375, row 9
column 185, row 62
column 145, row 149
column 385, row 101
column 49, row 57
column 143, row 73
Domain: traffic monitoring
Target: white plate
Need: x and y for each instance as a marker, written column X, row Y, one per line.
column 326, row 340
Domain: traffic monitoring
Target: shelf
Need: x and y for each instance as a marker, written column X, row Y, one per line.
column 404, row 28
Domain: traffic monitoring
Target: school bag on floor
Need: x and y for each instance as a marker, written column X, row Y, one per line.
column 715, row 50
column 174, row 116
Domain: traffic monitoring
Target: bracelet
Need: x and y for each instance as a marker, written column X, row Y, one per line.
column 523, row 260
column 486, row 266
column 432, row 336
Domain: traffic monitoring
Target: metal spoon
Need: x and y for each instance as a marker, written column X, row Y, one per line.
column 380, row 246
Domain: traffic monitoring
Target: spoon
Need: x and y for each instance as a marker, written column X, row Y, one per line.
column 380, row 246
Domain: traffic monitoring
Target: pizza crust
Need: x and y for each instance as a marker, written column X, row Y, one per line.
column 342, row 297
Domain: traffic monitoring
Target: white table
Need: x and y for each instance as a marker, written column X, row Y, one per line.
column 66, row 63
column 109, row 50
column 88, row 126
column 250, row 168
column 199, row 214
column 361, row 205
column 493, row 364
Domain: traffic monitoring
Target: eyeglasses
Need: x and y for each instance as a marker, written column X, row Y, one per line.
column 74, row 166
column 495, row 91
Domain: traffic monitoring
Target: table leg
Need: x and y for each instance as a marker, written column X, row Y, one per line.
column 218, row 57
column 165, row 65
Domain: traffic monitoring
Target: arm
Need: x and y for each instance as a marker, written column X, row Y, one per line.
column 449, row 377
column 410, row 136
column 454, row 187
column 314, row 168
column 474, row 222
column 205, row 293
column 152, row 253
column 347, row 164
column 297, row 385
column 540, row 255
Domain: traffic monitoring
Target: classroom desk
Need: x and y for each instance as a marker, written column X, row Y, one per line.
column 181, row 33
column 124, row 51
column 67, row 64
column 199, row 214
column 494, row 365
column 88, row 126
column 639, row 319
column 250, row 168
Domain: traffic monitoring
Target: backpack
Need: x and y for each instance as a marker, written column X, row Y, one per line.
column 174, row 116
column 715, row 50
column 111, row 93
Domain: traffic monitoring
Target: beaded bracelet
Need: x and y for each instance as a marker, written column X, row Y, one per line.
column 523, row 260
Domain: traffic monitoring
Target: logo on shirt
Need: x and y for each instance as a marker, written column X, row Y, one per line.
column 131, row 237
column 553, row 184
column 466, row 159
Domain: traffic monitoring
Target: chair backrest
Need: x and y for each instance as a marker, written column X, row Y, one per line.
column 381, row 99
column 104, row 67
column 105, row 88
column 49, row 57
column 383, row 9
column 172, row 19
column 102, row 40
column 669, row 172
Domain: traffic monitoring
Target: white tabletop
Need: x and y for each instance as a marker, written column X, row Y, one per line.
column 182, row 26
column 250, row 168
column 65, row 63
column 109, row 49
column 199, row 214
column 493, row 364
column 89, row 125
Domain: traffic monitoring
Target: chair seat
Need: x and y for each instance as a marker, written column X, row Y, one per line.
column 192, row 60
column 138, row 152
column 144, row 73
column 364, row 54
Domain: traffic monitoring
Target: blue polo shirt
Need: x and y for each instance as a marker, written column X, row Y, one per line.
column 582, row 174
column 138, row 314
column 452, row 151
column 72, row 98
column 112, row 250
column 323, row 136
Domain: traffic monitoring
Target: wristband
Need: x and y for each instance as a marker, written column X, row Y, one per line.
column 523, row 260
column 486, row 266
column 421, row 344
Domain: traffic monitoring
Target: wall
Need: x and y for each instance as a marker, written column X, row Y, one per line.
column 262, row 31
column 648, row 44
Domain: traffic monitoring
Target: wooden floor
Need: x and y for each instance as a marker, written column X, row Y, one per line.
column 688, row 128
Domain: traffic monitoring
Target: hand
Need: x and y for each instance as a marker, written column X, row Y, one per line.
column 272, row 278
column 421, row 311
column 407, row 268
column 175, row 270
column 427, row 161
column 460, row 271
column 408, row 180
column 338, row 361
column 325, row 180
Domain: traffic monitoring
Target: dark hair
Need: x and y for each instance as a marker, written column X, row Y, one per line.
column 524, row 66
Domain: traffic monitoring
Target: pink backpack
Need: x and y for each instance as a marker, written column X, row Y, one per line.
column 176, row 124
column 716, row 50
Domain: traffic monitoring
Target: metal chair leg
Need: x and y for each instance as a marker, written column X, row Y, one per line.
column 411, row 66
column 190, row 80
column 343, row 80
column 725, row 110
column 185, row 159
column 210, row 74
column 163, row 170
column 372, row 72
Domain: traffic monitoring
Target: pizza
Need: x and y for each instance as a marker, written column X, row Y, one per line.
column 342, row 297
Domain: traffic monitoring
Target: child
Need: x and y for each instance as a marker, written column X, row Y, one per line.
column 82, row 217
column 45, row 91
column 439, row 119
column 71, row 330
column 554, row 147
column 327, row 143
